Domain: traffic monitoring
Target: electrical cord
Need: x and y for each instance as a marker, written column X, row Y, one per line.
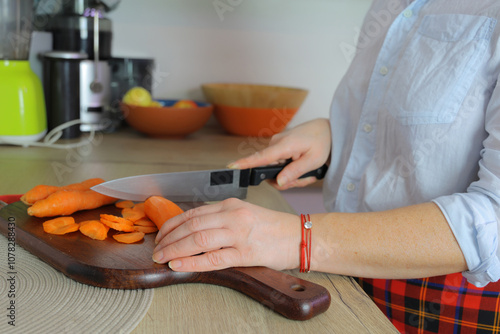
column 52, row 137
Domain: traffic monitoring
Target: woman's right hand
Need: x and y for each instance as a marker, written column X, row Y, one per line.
column 308, row 145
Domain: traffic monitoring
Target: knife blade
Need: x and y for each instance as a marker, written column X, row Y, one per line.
column 195, row 186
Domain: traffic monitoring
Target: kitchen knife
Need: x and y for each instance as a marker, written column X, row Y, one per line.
column 196, row 186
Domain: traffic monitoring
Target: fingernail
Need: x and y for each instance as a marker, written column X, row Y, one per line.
column 282, row 181
column 157, row 257
column 174, row 264
column 233, row 165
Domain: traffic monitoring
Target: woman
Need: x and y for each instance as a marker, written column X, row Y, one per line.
column 413, row 187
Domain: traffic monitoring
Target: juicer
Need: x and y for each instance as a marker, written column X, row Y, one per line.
column 82, row 27
column 22, row 107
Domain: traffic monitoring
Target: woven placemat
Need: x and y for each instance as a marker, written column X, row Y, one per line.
column 46, row 301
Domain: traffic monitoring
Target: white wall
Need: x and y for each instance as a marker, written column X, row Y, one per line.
column 297, row 43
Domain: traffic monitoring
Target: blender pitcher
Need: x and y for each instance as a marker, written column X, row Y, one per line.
column 22, row 105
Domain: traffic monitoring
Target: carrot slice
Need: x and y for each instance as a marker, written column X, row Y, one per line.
column 146, row 229
column 129, row 238
column 139, row 206
column 144, row 222
column 66, row 229
column 94, row 229
column 65, row 202
column 51, row 225
column 116, row 219
column 160, row 209
column 132, row 214
column 118, row 226
column 43, row 191
column 60, row 225
column 124, row 204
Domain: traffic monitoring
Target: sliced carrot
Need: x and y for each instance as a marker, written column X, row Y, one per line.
column 94, row 229
column 160, row 209
column 129, row 238
column 54, row 224
column 139, row 206
column 132, row 214
column 65, row 202
column 43, row 191
column 124, row 204
column 60, row 225
column 146, row 229
column 118, row 226
column 144, row 222
column 66, row 229
column 116, row 219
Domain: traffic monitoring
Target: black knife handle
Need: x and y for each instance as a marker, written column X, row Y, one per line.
column 259, row 174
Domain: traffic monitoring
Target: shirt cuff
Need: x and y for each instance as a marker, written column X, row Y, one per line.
column 473, row 221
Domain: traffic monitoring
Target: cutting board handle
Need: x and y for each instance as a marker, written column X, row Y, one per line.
column 287, row 295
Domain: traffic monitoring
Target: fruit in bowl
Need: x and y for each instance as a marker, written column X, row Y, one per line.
column 138, row 96
column 254, row 110
column 162, row 119
column 185, row 104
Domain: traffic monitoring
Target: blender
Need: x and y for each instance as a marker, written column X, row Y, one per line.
column 22, row 107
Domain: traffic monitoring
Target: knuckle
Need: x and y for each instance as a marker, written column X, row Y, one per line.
column 230, row 202
column 189, row 214
column 215, row 259
column 243, row 213
column 194, row 224
column 201, row 239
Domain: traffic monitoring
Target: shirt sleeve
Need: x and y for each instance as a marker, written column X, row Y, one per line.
column 474, row 216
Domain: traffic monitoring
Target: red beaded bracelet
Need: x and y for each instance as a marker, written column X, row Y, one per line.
column 305, row 245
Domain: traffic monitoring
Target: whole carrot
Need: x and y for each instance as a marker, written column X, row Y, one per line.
column 39, row 192
column 65, row 202
column 43, row 191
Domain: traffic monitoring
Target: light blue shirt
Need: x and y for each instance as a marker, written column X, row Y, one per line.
column 417, row 119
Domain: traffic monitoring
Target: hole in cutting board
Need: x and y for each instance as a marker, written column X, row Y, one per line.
column 298, row 287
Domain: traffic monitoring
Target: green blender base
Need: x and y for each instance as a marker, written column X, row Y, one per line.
column 22, row 112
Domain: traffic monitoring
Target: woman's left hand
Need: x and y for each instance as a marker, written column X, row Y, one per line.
column 231, row 233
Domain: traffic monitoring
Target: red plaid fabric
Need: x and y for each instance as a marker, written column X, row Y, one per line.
column 444, row 304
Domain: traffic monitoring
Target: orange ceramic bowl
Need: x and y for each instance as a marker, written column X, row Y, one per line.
column 253, row 122
column 254, row 110
column 167, row 121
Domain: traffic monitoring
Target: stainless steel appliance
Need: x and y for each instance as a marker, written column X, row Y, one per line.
column 81, row 27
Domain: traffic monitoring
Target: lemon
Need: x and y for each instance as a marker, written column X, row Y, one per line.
column 137, row 96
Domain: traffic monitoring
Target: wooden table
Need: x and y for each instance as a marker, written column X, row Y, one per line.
column 191, row 308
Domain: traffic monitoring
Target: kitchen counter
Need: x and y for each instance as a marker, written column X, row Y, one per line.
column 193, row 308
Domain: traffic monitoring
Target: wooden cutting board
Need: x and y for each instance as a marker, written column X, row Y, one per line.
column 110, row 264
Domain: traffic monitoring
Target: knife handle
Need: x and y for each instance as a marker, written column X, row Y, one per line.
column 259, row 174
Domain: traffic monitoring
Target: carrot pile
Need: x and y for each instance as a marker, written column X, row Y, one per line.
column 137, row 219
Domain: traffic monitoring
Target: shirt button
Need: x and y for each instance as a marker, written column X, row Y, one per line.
column 408, row 13
column 367, row 128
column 384, row 70
column 351, row 187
